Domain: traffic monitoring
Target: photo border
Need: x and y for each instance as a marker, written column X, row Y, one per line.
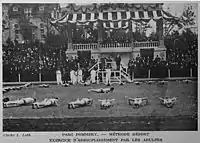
column 167, row 136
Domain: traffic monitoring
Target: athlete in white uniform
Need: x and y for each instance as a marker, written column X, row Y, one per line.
column 102, row 90
column 168, row 102
column 58, row 77
column 80, row 75
column 14, row 103
column 106, row 103
column 80, row 103
column 137, row 102
column 108, row 75
column 45, row 103
column 19, row 102
column 93, row 76
column 44, row 86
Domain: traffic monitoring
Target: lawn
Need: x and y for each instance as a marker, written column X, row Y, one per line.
column 119, row 117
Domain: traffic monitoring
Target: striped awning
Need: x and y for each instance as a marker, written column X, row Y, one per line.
column 113, row 19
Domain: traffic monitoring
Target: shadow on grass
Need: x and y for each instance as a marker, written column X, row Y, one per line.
column 128, row 123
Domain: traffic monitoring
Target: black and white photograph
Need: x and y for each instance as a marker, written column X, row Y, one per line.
column 100, row 66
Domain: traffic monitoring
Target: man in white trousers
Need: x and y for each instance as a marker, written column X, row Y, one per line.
column 80, row 75
column 93, row 76
column 73, row 77
column 58, row 77
column 108, row 75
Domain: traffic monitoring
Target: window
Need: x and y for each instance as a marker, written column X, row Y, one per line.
column 41, row 25
column 28, row 12
column 42, row 31
column 15, row 8
column 41, row 8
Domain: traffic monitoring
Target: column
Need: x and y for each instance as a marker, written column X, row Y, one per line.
column 40, row 77
column 159, row 31
column 19, row 77
column 169, row 73
column 131, row 37
column 149, row 73
column 69, row 35
column 190, row 72
column 100, row 31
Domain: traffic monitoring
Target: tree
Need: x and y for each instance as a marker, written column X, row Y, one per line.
column 188, row 16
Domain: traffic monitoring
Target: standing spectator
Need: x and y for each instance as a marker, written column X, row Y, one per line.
column 118, row 61
column 109, row 60
column 157, row 59
column 103, row 62
column 75, row 62
column 92, row 61
column 138, row 58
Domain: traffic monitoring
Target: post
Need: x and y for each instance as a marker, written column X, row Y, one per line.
column 120, row 76
column 40, row 77
column 149, row 73
column 159, row 31
column 100, row 32
column 169, row 73
column 102, row 75
column 190, row 72
column 98, row 65
column 97, row 72
column 19, row 77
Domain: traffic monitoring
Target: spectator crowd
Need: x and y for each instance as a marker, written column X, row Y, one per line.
column 30, row 59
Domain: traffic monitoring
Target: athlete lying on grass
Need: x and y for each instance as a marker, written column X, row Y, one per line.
column 106, row 103
column 19, row 102
column 7, row 89
column 168, row 102
column 65, row 84
column 137, row 102
column 80, row 103
column 137, row 83
column 44, row 86
column 162, row 82
column 86, row 83
column 102, row 90
column 47, row 102
column 187, row 81
column 150, row 82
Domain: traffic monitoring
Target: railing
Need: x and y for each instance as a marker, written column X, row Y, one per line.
column 85, row 46
column 115, row 45
column 146, row 44
column 96, row 64
column 93, row 46
column 149, row 74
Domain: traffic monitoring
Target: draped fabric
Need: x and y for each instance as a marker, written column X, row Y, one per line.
column 113, row 20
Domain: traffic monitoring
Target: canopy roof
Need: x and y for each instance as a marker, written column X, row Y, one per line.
column 113, row 19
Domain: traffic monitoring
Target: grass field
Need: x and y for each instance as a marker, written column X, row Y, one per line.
column 120, row 117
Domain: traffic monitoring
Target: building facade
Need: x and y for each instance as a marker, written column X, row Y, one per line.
column 29, row 21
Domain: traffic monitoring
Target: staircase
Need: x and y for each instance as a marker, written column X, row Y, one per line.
column 116, row 75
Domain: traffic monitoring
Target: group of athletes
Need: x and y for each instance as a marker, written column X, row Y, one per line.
column 136, row 102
